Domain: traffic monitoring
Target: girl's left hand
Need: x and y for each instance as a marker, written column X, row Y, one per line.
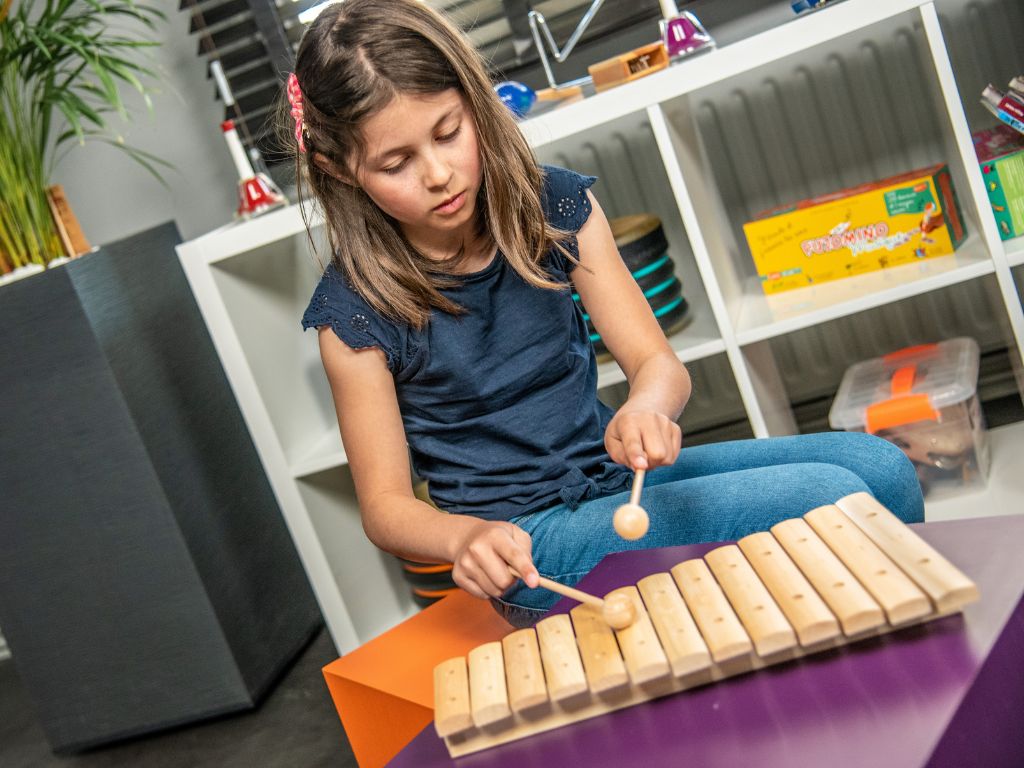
column 643, row 439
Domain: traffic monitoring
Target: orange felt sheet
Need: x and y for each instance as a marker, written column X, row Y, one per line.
column 384, row 690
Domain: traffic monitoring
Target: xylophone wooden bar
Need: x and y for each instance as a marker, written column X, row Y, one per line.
column 899, row 597
column 599, row 651
column 563, row 668
column 684, row 647
column 523, row 667
column 812, row 621
column 948, row 588
column 488, row 695
column 840, row 574
column 761, row 616
column 845, row 596
column 715, row 618
column 644, row 657
column 451, row 697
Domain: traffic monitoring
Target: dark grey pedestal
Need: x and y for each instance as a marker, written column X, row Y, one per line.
column 147, row 578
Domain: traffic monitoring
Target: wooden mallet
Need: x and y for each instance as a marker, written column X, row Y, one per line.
column 631, row 519
column 617, row 610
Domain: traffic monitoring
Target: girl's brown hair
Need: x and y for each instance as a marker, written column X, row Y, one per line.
column 351, row 62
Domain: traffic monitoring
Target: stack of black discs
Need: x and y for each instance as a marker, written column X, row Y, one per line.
column 428, row 582
column 642, row 244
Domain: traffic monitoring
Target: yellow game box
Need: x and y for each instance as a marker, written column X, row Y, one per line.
column 882, row 224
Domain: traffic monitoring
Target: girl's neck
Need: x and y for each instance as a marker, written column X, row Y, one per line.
column 464, row 253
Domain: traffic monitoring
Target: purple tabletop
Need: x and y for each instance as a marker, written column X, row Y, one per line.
column 947, row 693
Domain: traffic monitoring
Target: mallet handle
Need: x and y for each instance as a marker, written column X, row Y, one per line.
column 575, row 594
column 638, row 486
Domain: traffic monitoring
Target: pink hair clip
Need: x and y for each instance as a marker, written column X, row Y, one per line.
column 295, row 99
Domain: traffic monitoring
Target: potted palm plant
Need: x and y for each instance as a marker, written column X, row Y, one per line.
column 63, row 65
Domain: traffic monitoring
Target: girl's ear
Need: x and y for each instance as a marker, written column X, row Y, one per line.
column 331, row 168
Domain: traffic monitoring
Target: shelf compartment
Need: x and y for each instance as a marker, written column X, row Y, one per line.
column 264, row 294
column 983, row 41
column 812, row 361
column 632, row 179
column 762, row 317
column 859, row 109
column 375, row 593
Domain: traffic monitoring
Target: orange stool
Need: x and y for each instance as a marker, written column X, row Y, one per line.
column 384, row 689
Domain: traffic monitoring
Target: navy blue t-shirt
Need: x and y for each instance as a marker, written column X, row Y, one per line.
column 499, row 404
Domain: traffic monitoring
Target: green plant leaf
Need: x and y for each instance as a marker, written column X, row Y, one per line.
column 62, row 67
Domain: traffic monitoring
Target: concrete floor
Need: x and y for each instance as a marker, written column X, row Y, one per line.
column 296, row 726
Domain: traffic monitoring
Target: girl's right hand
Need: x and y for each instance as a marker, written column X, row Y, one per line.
column 482, row 561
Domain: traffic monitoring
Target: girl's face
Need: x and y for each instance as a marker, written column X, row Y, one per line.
column 422, row 167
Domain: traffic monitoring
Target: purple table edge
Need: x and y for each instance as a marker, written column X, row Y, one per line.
column 946, row 694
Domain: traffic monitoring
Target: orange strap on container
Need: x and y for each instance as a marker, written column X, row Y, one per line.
column 903, row 407
column 903, row 381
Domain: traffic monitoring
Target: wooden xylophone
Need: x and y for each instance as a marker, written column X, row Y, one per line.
column 842, row 573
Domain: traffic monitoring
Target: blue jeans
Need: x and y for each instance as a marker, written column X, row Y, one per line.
column 716, row 492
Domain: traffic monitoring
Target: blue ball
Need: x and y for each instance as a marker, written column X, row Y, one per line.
column 516, row 96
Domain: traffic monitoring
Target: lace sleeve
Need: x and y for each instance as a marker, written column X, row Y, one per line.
column 566, row 206
column 336, row 303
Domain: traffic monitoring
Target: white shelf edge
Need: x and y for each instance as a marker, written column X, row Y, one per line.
column 1005, row 486
column 326, row 453
column 238, row 238
column 609, row 373
column 975, row 263
column 1014, row 251
column 698, row 339
column 706, row 69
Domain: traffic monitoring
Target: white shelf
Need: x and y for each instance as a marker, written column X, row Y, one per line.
column 763, row 316
column 1004, row 492
column 1015, row 251
column 720, row 64
column 241, row 237
column 327, row 453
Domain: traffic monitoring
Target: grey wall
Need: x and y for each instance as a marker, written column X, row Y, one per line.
column 113, row 197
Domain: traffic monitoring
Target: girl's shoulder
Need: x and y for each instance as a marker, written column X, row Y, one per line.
column 337, row 303
column 564, row 197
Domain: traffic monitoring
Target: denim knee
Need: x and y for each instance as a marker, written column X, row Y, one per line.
column 893, row 478
column 519, row 616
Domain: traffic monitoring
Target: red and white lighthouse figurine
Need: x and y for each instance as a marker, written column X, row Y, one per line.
column 257, row 194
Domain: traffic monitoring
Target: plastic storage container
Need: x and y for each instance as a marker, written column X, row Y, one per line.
column 923, row 399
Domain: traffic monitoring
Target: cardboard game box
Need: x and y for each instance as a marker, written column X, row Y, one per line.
column 881, row 224
column 1001, row 157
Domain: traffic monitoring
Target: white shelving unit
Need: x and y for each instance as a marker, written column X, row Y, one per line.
column 861, row 90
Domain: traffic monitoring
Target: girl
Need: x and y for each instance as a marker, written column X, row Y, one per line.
column 447, row 330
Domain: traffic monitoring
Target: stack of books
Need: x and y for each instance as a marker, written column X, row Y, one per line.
column 1009, row 106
